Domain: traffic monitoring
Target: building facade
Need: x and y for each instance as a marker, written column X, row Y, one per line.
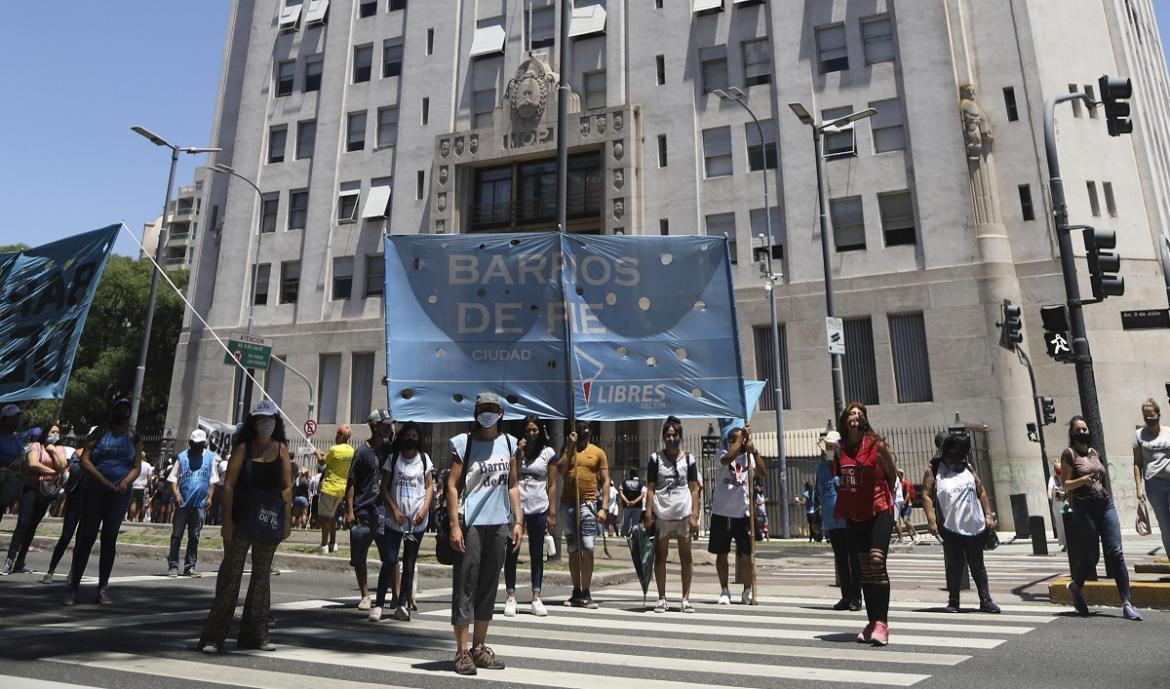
column 183, row 221
column 360, row 117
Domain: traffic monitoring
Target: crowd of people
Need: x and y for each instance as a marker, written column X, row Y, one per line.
column 501, row 488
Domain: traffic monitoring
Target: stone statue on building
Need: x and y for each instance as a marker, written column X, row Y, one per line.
column 978, row 140
column 529, row 90
column 976, row 128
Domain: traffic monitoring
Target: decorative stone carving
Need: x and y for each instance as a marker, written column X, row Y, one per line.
column 619, row 178
column 619, row 149
column 619, row 208
column 978, row 140
column 529, row 89
column 619, row 121
column 601, row 123
column 443, row 175
column 976, row 128
column 584, row 127
column 445, row 148
column 458, row 146
column 473, row 144
column 441, row 202
column 440, row 226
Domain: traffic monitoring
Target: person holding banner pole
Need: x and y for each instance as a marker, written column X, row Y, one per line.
column 733, row 511
column 673, row 481
column 585, row 471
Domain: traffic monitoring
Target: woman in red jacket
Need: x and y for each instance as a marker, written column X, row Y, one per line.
column 865, row 500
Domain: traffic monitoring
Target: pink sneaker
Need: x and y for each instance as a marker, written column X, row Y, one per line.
column 865, row 636
column 881, row 634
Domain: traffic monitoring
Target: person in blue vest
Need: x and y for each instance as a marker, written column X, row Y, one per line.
column 845, row 561
column 11, row 458
column 192, row 482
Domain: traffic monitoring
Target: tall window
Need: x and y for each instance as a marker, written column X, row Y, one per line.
column 276, row 142
column 661, row 150
column 897, row 212
column 911, row 359
column 361, row 386
column 838, row 142
column 660, row 69
column 284, row 77
column 832, row 53
column 860, row 370
column 848, row 223
column 363, row 63
column 387, row 127
column 1026, row 208
column 313, row 70
column 1093, row 99
column 1073, row 88
column 664, row 226
column 542, row 30
column 713, row 66
column 717, row 151
column 426, row 110
column 290, row 281
column 721, row 224
column 392, row 58
column 328, row 380
column 269, row 207
column 889, row 130
column 347, row 201
column 1110, row 202
column 486, row 79
column 757, row 62
column 1009, row 103
column 761, row 154
column 367, row 8
column 1094, row 202
column 342, row 277
column 594, row 90
column 263, row 274
column 766, row 370
column 878, row 35
column 298, row 209
column 396, row 5
column 375, row 275
column 355, row 137
column 306, row 138
column 493, row 196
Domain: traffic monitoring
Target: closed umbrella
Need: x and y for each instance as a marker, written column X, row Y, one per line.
column 641, row 544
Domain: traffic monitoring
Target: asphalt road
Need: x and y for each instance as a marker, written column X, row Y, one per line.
column 147, row 638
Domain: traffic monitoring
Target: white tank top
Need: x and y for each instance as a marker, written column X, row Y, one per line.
column 959, row 502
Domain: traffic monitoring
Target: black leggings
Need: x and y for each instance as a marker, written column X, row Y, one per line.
column 70, row 519
column 870, row 539
column 101, row 510
column 389, row 567
column 964, row 551
column 847, row 565
column 32, row 511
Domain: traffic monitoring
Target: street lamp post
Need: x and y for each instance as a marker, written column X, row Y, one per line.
column 144, row 347
column 735, row 95
column 818, row 130
column 228, row 170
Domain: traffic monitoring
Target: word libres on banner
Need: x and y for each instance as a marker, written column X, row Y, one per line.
column 45, row 295
column 642, row 326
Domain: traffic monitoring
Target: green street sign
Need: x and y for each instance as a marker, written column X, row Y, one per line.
column 251, row 350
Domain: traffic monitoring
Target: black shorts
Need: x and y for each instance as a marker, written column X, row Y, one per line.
column 723, row 529
column 136, row 496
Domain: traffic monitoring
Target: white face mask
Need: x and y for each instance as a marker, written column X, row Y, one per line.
column 488, row 419
column 265, row 426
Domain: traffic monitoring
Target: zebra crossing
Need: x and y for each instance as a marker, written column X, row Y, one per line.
column 784, row 641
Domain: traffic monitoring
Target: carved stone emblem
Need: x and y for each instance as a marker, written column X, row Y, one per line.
column 473, row 144
column 445, row 148
column 443, row 174
column 440, row 226
column 601, row 122
column 619, row 178
column 529, row 89
column 619, row 121
column 619, row 150
column 459, row 146
column 584, row 127
column 441, row 202
column 619, row 208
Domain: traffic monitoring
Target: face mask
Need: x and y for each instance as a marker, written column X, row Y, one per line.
column 488, row 419
column 120, row 419
column 1153, row 420
column 583, row 438
column 673, row 443
column 1082, row 438
column 265, row 427
column 408, row 444
column 53, row 439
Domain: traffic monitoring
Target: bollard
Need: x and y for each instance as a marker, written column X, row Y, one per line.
column 1039, row 536
column 1020, row 515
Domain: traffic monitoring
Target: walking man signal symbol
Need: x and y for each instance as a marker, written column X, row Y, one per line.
column 1057, row 345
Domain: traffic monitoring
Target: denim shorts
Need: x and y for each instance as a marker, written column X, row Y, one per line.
column 588, row 526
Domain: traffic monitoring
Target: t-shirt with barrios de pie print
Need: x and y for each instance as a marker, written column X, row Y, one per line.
column 486, row 471
column 730, row 497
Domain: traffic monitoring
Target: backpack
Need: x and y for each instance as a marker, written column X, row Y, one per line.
column 444, row 553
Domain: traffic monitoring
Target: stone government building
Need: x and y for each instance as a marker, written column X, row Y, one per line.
column 358, row 117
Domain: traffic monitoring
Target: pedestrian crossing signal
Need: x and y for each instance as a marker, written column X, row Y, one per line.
column 1114, row 94
column 1103, row 264
column 1048, row 410
column 1010, row 326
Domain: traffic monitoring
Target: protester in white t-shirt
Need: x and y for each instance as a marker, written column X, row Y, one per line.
column 672, row 480
column 729, row 510
column 138, row 492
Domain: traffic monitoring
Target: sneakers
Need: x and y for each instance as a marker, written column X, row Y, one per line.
column 988, row 606
column 173, row 572
column 1131, row 612
column 574, row 599
column 375, row 614
column 855, row 605
column 364, row 603
column 661, row 607
column 724, row 597
column 103, row 598
column 881, row 634
column 464, row 665
column 587, row 601
column 48, row 578
column 1078, row 599
column 321, row 549
column 746, row 597
column 952, row 606
column 209, row 649
column 510, row 607
column 402, row 614
column 70, row 598
column 866, row 635
column 195, row 575
column 842, row 604
column 485, row 658
column 538, row 608
column 686, row 606
column 6, row 569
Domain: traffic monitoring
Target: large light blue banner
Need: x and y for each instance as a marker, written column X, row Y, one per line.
column 652, row 327
column 45, row 295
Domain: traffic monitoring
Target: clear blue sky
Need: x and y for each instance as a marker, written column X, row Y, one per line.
column 79, row 77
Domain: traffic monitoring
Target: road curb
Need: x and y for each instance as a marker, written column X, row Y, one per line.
column 1143, row 594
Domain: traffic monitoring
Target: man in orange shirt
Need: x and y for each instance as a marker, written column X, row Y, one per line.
column 585, row 471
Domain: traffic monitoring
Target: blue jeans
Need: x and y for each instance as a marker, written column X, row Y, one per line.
column 536, row 525
column 631, row 517
column 32, row 510
column 410, row 543
column 1158, row 498
column 187, row 518
column 1098, row 519
column 588, row 526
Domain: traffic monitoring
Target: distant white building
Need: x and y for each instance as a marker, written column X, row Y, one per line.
column 358, row 117
column 183, row 222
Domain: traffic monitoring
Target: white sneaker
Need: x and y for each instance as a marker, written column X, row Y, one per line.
column 375, row 614
column 48, row 579
column 321, row 549
column 510, row 607
column 402, row 614
column 746, row 597
column 686, row 606
column 538, row 608
column 364, row 603
column 725, row 597
column 661, row 607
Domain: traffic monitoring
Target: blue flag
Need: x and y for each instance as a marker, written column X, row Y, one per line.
column 45, row 294
column 652, row 327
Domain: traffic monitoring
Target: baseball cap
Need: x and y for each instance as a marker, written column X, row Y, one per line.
column 9, row 410
column 124, row 402
column 265, row 408
column 486, row 398
column 833, row 437
column 198, row 436
column 380, row 416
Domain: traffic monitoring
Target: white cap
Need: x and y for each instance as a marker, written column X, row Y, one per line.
column 833, row 437
column 198, row 436
column 9, row 410
column 265, row 408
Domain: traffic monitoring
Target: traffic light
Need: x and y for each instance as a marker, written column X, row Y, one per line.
column 1010, row 326
column 1103, row 264
column 1048, row 410
column 1114, row 94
